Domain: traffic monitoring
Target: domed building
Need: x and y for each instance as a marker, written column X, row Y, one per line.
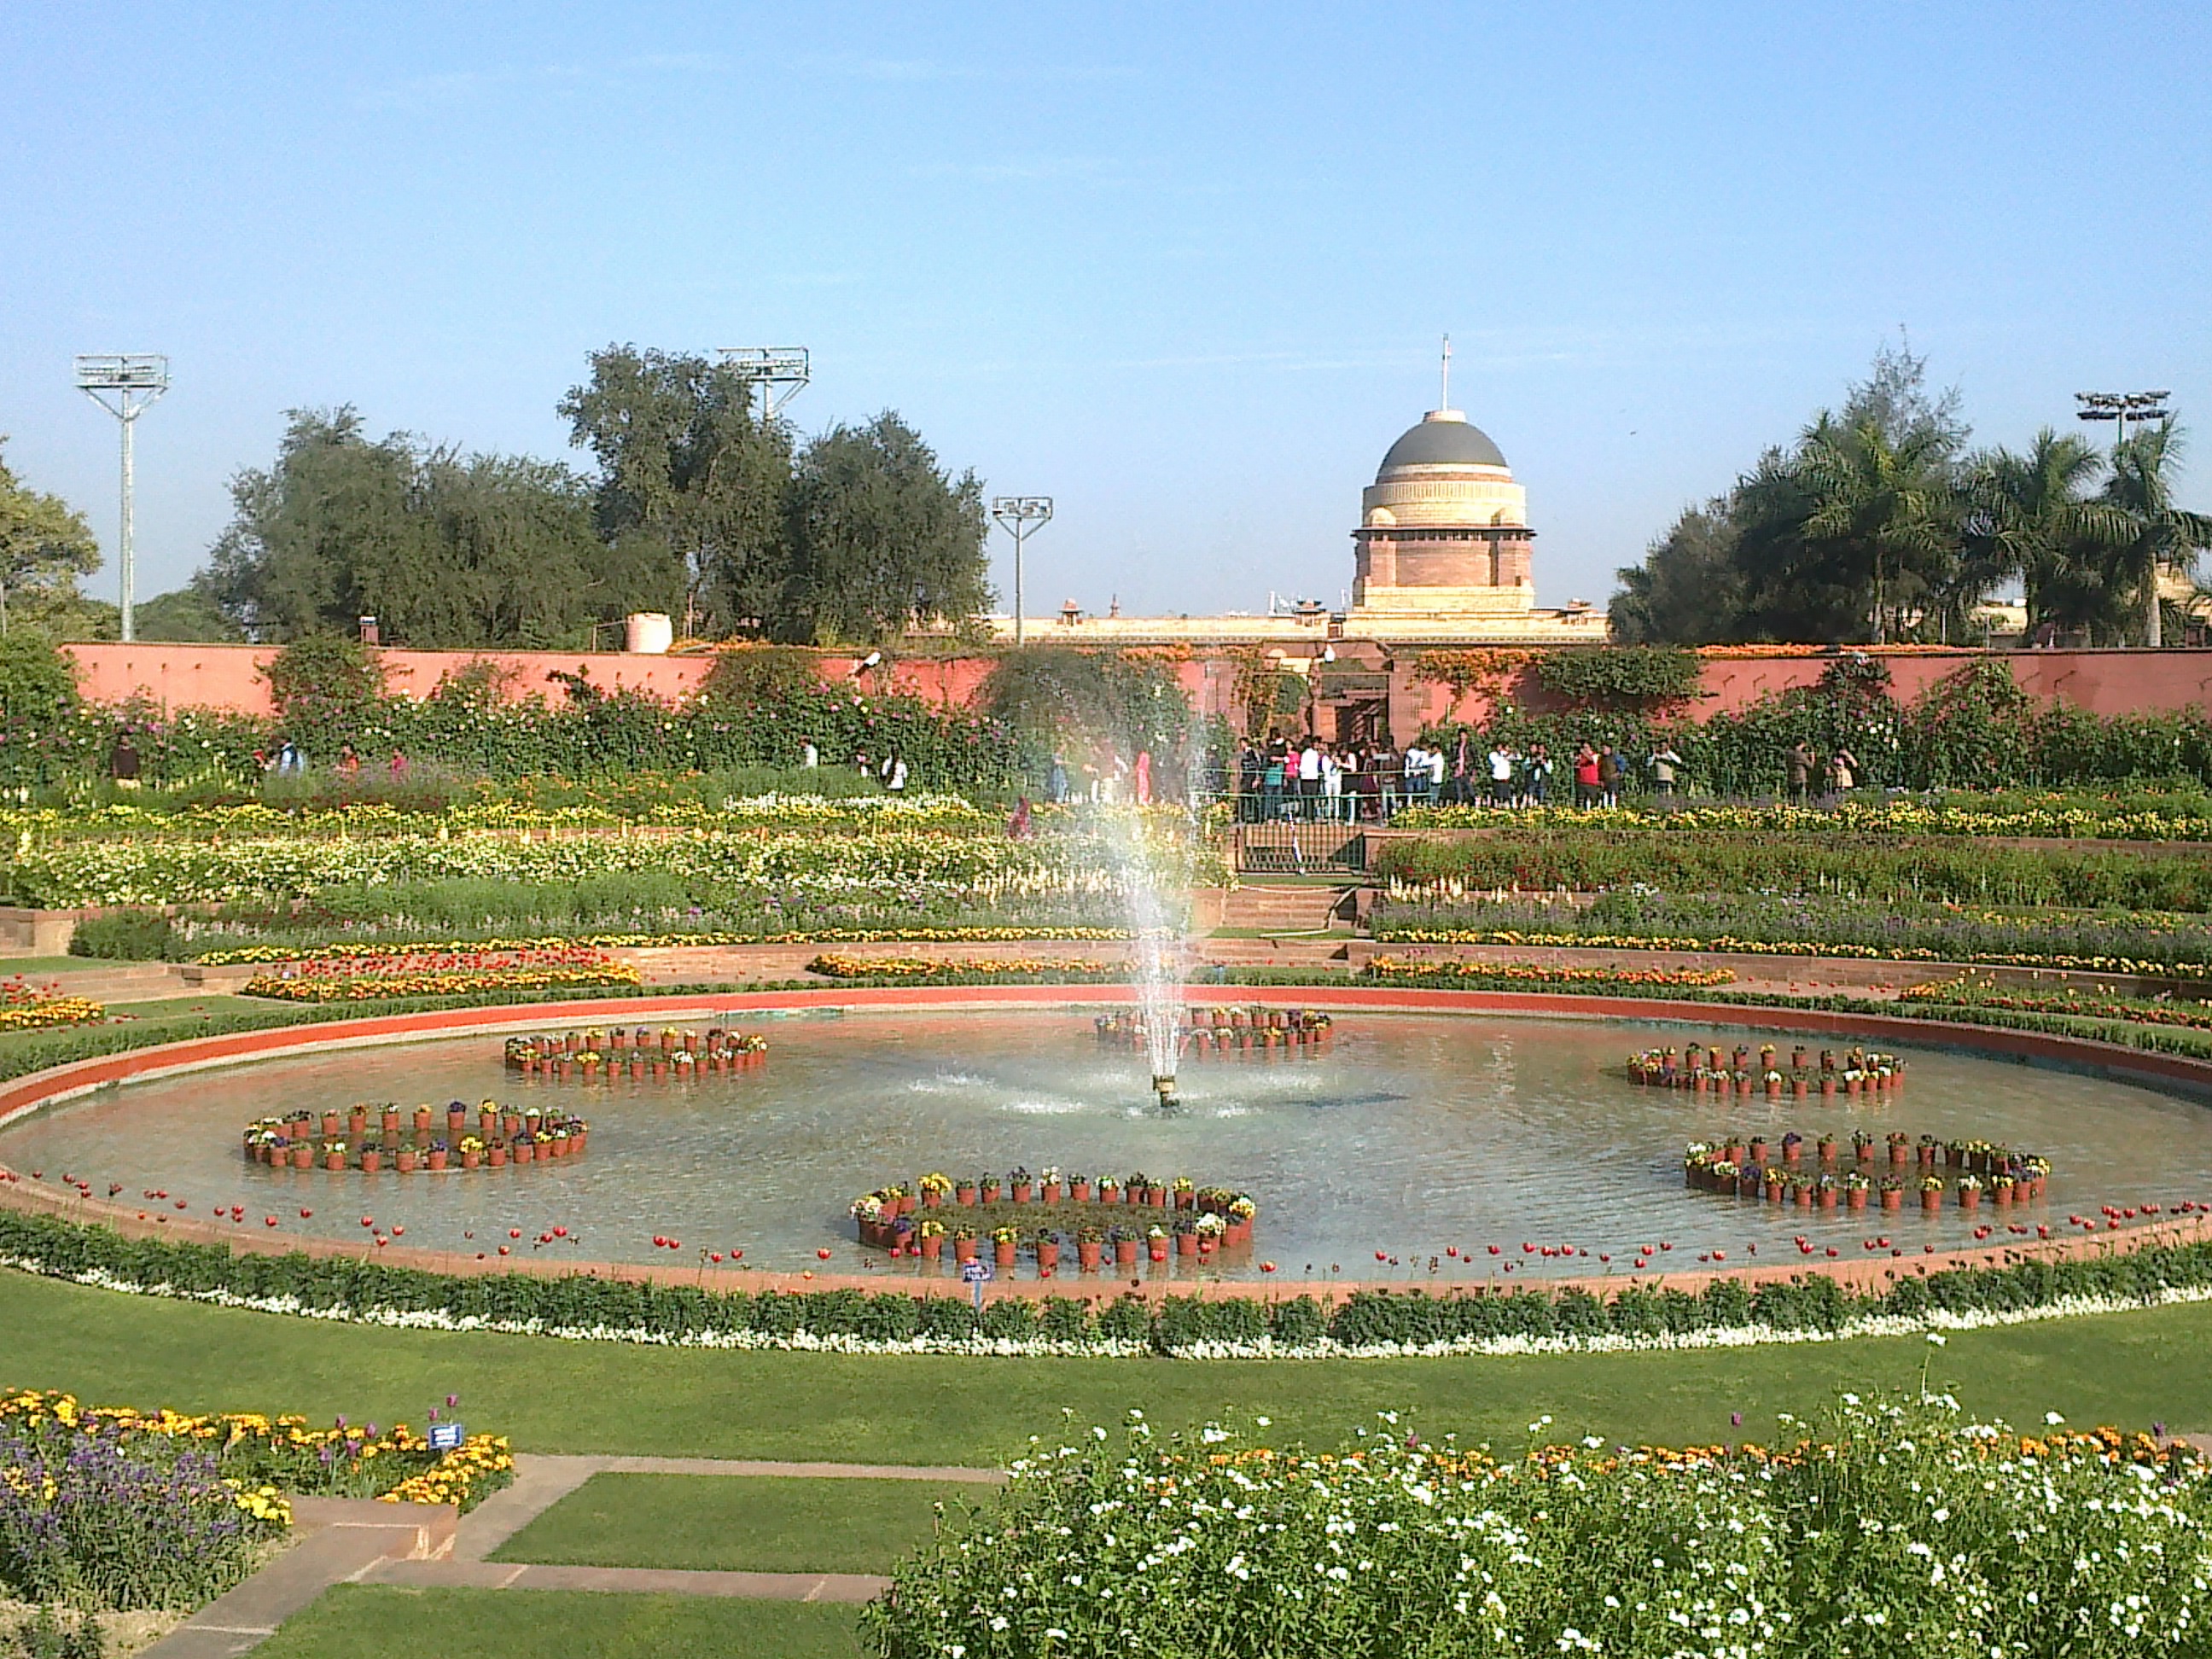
column 1444, row 528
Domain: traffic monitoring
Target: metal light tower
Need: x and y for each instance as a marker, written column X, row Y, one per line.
column 2123, row 407
column 780, row 372
column 124, row 384
column 1020, row 517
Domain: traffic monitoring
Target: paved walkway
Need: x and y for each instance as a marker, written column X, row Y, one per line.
column 423, row 1547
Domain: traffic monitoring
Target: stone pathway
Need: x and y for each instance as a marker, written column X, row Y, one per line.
column 423, row 1547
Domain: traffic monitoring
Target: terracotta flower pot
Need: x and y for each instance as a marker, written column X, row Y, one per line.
column 470, row 1158
column 933, row 1248
column 1087, row 1254
column 1022, row 1191
column 1051, row 1192
column 391, row 1125
column 423, row 1122
column 526, row 1151
column 510, row 1124
column 560, row 1145
column 457, row 1125
column 1931, row 1201
column 438, row 1156
column 357, row 1124
column 1157, row 1197
column 963, row 1249
column 1827, row 1151
column 1081, row 1191
column 964, row 1195
column 407, row 1160
column 1125, row 1252
column 931, row 1199
column 372, row 1160
column 1004, row 1250
column 1858, row 1198
column 1047, row 1255
column 1827, row 1087
column 498, row 1157
column 660, row 1070
column 1892, row 1201
column 1186, row 1243
column 1827, row 1197
column 1799, row 1088
column 1970, row 1198
column 334, row 1160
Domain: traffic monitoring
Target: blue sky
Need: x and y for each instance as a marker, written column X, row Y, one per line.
column 1182, row 268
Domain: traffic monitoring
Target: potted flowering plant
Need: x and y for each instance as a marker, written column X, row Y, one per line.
column 1970, row 1192
column 932, row 1240
column 1861, row 1145
column 1156, row 1243
column 1078, row 1189
column 334, row 1155
column 472, row 1148
column 934, row 1188
column 1090, row 1245
column 1931, row 1194
column 1125, row 1247
column 1855, row 1188
column 1900, row 1148
column 964, row 1243
column 1186, row 1235
column 1109, row 1190
column 408, row 1158
column 372, row 1157
column 1049, row 1185
column 1005, row 1241
column 439, row 1153
column 1021, row 1186
column 963, row 1191
column 1826, row 1146
column 1186, row 1196
column 990, row 1187
column 1893, row 1192
column 495, row 1154
column 2001, row 1190
column 1793, row 1147
column 1047, row 1245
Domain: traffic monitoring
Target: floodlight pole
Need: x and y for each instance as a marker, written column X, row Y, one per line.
column 2122, row 407
column 1020, row 517
column 780, row 372
column 134, row 380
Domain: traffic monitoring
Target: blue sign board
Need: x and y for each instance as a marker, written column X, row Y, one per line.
column 446, row 1436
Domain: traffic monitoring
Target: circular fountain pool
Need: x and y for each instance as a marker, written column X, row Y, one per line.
column 1413, row 1136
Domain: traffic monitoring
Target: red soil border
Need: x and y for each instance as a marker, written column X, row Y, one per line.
column 61, row 1082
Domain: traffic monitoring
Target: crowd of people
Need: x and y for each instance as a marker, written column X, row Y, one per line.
column 1311, row 778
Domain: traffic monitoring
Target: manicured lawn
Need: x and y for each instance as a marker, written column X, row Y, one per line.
column 739, row 1523
column 2126, row 1368
column 355, row 1621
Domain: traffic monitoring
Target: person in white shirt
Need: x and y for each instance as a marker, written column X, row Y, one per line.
column 1332, row 784
column 809, row 756
column 1310, row 771
column 894, row 772
column 1415, row 770
column 1501, row 776
column 1437, row 761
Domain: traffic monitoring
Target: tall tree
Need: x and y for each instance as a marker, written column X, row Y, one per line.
column 1881, row 516
column 1688, row 590
column 688, row 470
column 442, row 549
column 2158, row 535
column 2032, row 516
column 45, row 546
column 882, row 537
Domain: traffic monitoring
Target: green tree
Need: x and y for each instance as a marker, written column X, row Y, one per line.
column 1688, row 591
column 2158, row 535
column 692, row 486
column 2032, row 516
column 445, row 549
column 188, row 614
column 882, row 537
column 45, row 546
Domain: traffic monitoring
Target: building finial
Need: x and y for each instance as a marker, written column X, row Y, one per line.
column 1446, row 403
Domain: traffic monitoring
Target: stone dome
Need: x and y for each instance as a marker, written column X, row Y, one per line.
column 1444, row 438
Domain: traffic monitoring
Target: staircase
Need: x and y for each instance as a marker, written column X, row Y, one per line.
column 1307, row 908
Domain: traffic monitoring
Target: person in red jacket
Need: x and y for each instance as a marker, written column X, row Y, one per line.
column 1586, row 786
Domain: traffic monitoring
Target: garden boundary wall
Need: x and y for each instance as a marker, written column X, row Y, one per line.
column 41, row 1090
column 230, row 677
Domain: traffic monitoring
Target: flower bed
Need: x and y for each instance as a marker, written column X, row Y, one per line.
column 441, row 972
column 1725, row 1311
column 1890, row 1529
column 1967, row 993
column 25, row 1006
column 596, row 1055
column 283, row 1453
column 923, row 970
column 671, row 939
column 1110, row 1220
column 1705, row 1069
column 1536, row 976
column 1225, row 1029
column 492, row 1136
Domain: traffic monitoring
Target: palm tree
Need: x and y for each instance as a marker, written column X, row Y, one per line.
column 1883, row 508
column 2031, row 516
column 2159, row 535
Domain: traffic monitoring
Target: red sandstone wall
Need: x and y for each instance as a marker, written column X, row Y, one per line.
column 228, row 677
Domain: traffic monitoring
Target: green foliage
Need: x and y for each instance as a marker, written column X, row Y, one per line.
column 40, row 738
column 130, row 935
column 46, row 1634
column 1104, row 701
column 45, row 546
column 882, row 540
column 189, row 614
column 1689, row 590
column 444, row 549
column 1640, row 677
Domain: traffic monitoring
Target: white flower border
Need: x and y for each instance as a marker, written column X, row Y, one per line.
column 1731, row 1336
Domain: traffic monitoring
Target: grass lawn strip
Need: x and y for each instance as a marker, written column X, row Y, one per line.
column 739, row 1523
column 2130, row 1369
column 353, row 1621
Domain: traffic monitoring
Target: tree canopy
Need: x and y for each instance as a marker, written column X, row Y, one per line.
column 1877, row 523
column 697, row 507
column 45, row 546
